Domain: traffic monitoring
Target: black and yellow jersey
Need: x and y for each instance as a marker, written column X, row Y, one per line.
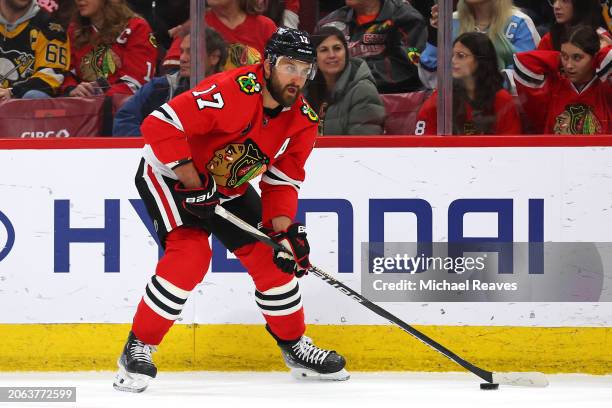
column 34, row 53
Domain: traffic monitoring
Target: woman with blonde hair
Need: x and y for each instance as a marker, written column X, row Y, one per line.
column 509, row 29
column 113, row 51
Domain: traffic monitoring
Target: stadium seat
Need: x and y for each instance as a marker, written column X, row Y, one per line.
column 55, row 117
column 402, row 110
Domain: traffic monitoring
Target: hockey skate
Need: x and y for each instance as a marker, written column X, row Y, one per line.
column 309, row 362
column 136, row 367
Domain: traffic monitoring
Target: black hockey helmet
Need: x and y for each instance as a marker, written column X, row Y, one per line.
column 290, row 43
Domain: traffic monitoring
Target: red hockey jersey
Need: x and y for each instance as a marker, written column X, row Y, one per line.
column 127, row 64
column 551, row 101
column 245, row 43
column 221, row 125
column 507, row 121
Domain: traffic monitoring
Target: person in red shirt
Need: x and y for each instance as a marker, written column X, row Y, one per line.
column 113, row 51
column 480, row 104
column 568, row 14
column 241, row 25
column 201, row 149
column 567, row 92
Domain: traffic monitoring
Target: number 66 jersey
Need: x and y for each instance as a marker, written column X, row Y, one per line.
column 221, row 125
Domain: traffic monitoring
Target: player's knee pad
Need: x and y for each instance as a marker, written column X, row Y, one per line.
column 257, row 259
column 186, row 258
column 282, row 300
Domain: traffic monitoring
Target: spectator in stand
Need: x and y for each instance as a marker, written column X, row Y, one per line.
column 480, row 104
column 161, row 89
column 241, row 25
column 283, row 13
column 388, row 34
column 567, row 92
column 343, row 93
column 34, row 52
column 161, row 16
column 113, row 50
column 507, row 27
column 539, row 11
column 570, row 13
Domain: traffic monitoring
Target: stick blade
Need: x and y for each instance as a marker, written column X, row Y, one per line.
column 528, row 379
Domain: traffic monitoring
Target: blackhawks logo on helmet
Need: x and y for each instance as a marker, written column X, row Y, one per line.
column 248, row 83
column 308, row 112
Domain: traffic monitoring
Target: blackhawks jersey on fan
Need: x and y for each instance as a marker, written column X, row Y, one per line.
column 126, row 65
column 554, row 105
column 33, row 53
column 221, row 125
column 507, row 119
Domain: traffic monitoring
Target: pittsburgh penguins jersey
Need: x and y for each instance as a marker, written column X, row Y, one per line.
column 34, row 53
column 126, row 65
column 222, row 127
column 552, row 102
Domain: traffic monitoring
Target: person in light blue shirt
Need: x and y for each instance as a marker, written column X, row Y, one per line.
column 509, row 29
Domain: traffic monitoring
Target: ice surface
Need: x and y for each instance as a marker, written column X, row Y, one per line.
column 375, row 390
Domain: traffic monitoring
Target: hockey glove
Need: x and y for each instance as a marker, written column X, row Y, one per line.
column 199, row 201
column 294, row 239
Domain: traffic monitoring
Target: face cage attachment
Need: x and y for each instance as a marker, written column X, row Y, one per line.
column 275, row 59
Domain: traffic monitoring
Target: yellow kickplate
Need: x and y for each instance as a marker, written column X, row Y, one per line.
column 236, row 347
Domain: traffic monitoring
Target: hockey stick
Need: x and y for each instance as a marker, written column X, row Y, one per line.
column 526, row 379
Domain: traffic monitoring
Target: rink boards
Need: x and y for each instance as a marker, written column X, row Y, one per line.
column 75, row 255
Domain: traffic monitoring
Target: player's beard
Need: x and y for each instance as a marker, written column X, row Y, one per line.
column 281, row 94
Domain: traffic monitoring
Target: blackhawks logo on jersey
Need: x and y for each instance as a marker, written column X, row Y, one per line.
column 248, row 83
column 100, row 62
column 237, row 163
column 239, row 55
column 308, row 112
column 577, row 119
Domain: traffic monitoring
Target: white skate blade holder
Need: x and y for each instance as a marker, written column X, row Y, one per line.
column 525, row 379
column 300, row 373
column 130, row 382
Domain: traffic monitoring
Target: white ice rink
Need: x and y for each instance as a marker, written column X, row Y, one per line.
column 373, row 390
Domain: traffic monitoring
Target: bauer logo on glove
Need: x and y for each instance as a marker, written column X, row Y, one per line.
column 200, row 201
column 200, row 198
column 294, row 239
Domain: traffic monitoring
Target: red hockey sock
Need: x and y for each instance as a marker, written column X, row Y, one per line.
column 148, row 326
column 182, row 267
column 278, row 293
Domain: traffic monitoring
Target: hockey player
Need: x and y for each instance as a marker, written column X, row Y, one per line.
column 567, row 92
column 202, row 148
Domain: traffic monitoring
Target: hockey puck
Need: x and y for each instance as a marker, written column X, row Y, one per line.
column 489, row 386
